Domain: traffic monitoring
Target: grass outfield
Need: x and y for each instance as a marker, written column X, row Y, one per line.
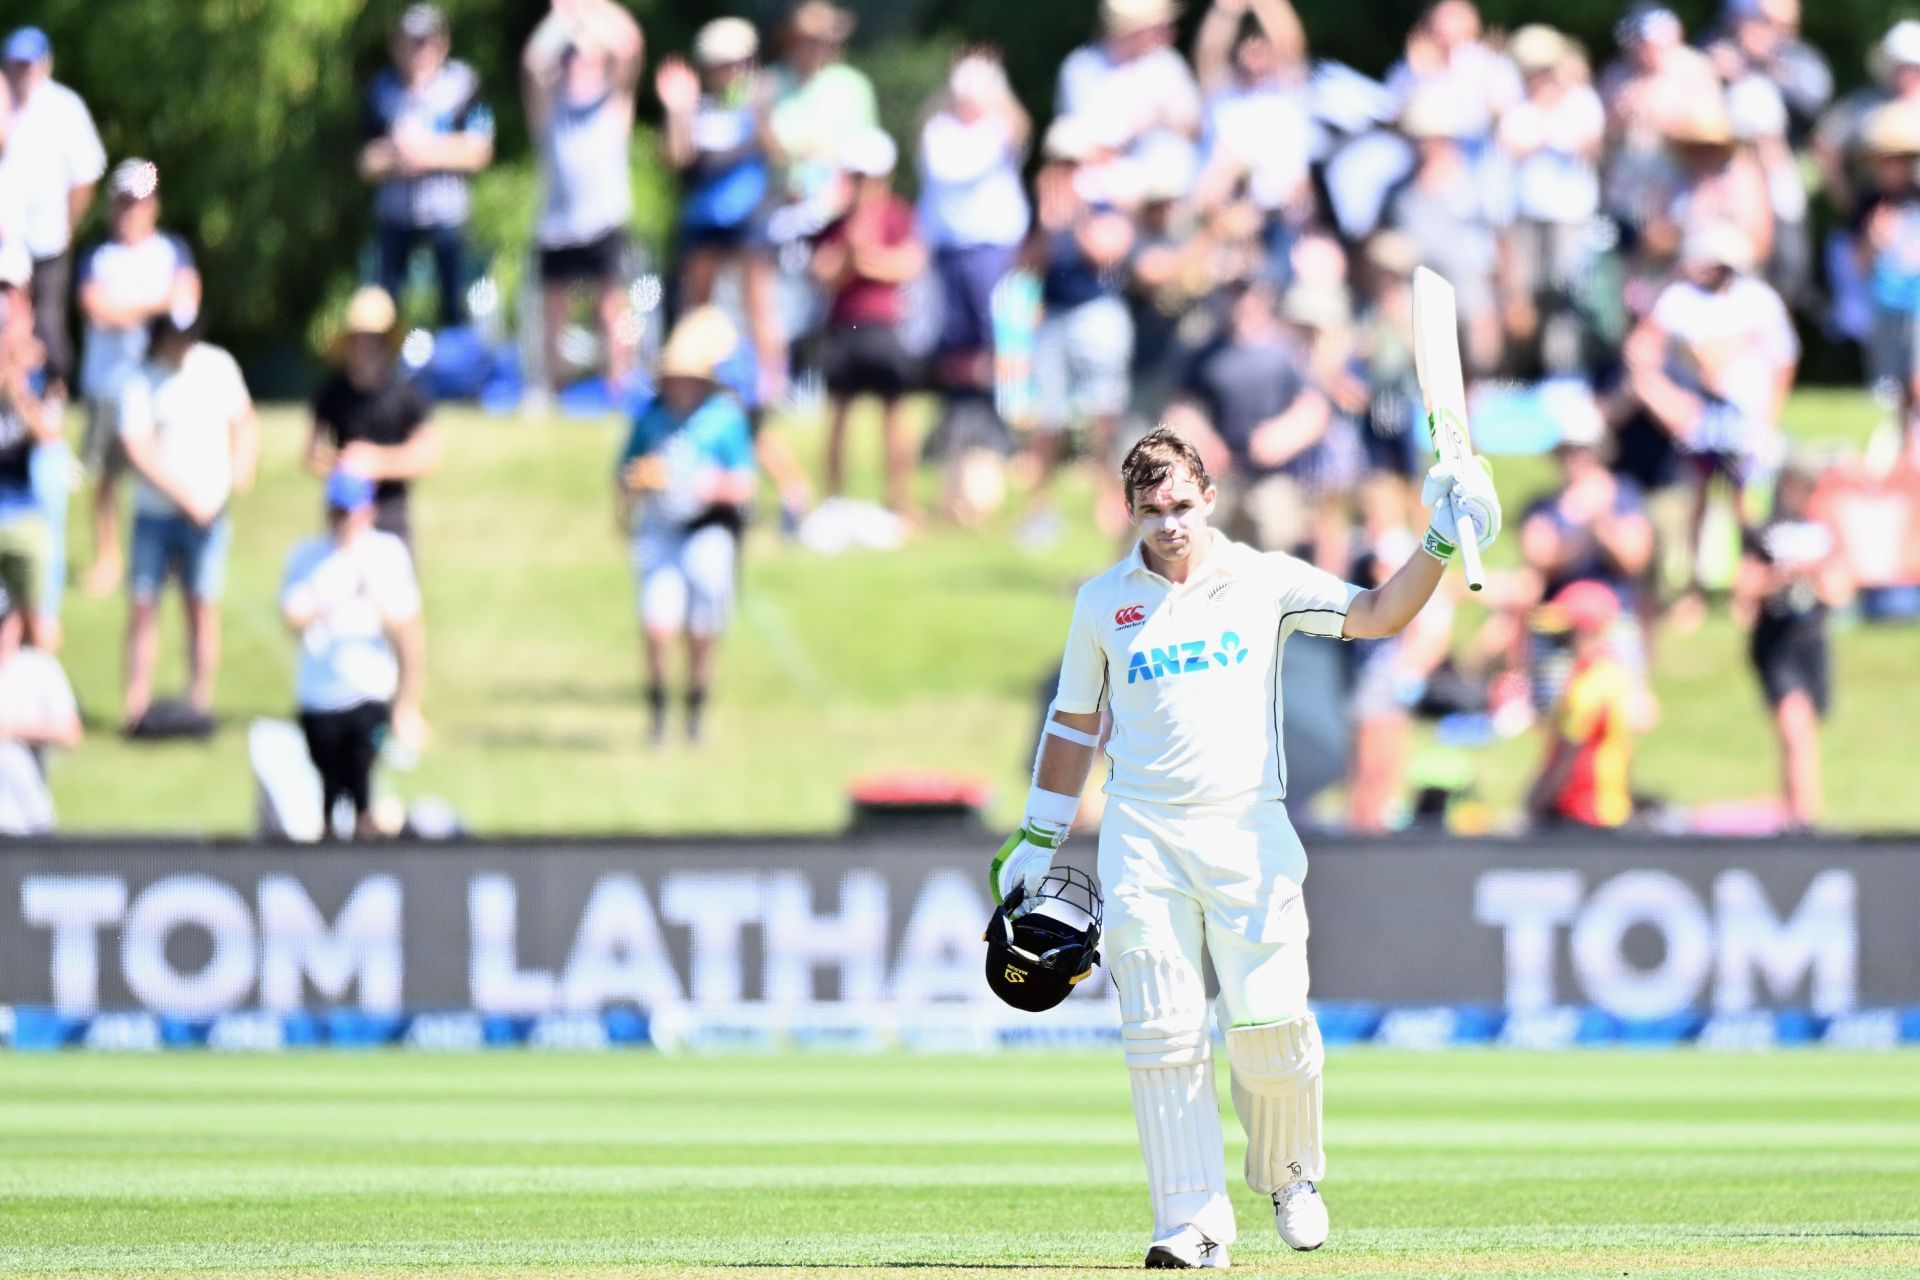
column 1460, row 1164
column 929, row 657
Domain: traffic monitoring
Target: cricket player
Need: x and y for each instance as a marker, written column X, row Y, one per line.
column 1181, row 641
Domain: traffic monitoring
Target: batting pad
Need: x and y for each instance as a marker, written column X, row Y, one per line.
column 1276, row 1090
column 1163, row 1006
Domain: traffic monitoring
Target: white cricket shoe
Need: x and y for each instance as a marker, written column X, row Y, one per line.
column 1300, row 1215
column 1186, row 1249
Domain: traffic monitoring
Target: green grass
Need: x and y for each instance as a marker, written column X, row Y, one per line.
column 929, row 657
column 1464, row 1164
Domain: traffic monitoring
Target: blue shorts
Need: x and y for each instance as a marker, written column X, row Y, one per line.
column 173, row 544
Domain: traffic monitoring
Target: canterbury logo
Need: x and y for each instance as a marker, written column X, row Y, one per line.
column 1131, row 616
column 1015, row 975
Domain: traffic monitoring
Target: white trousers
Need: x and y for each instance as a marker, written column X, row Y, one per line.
column 1181, row 881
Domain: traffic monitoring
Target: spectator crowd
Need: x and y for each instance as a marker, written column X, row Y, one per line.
column 1219, row 236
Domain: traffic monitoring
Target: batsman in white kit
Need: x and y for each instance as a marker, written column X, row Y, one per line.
column 1182, row 643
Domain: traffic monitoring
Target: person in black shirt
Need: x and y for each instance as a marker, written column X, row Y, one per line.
column 1791, row 570
column 370, row 418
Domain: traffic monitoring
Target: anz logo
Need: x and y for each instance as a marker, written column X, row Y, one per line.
column 1192, row 657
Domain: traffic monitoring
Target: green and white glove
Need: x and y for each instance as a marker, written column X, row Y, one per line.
column 1028, row 853
column 1469, row 485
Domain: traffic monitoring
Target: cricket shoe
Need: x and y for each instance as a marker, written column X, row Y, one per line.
column 1300, row 1215
column 1184, row 1250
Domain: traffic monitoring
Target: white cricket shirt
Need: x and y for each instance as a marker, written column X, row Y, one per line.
column 1191, row 671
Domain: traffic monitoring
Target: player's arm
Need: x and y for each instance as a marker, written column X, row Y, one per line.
column 1068, row 739
column 1465, row 486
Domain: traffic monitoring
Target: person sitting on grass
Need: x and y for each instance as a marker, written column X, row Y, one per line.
column 1583, row 781
column 1792, row 571
column 188, row 426
column 352, row 598
column 683, row 484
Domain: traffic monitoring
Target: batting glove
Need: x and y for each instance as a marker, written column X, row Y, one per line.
column 1469, row 485
column 1024, row 859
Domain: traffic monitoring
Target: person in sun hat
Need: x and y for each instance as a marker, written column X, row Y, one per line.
column 137, row 273
column 683, row 483
column 371, row 416
column 1133, row 81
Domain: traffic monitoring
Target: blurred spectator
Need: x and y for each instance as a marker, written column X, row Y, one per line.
column 973, row 209
column 1084, row 347
column 1132, row 84
column 54, row 160
column 27, row 421
column 193, row 441
column 1657, row 82
column 1251, row 407
column 1791, row 572
column 1761, row 38
column 1552, row 138
column 1889, row 239
column 1759, row 121
column 1716, row 183
column 580, row 72
column 370, row 417
column 1713, row 363
column 1448, row 60
column 1389, row 676
column 427, row 131
column 861, row 261
column 37, row 712
column 1593, row 527
column 1396, row 438
column 352, row 598
column 1447, row 212
column 1169, row 287
column 1583, row 780
column 818, row 100
column 719, row 136
column 684, row 481
column 1256, row 125
column 138, row 273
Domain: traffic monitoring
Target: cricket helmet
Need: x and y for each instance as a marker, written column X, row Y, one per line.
column 1040, row 944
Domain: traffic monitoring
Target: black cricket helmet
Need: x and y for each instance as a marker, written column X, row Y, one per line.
column 1041, row 944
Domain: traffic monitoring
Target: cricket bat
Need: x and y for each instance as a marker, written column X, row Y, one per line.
column 1436, row 362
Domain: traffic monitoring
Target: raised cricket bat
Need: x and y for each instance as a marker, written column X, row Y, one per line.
column 1436, row 362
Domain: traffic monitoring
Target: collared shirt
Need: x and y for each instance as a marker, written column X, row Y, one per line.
column 1191, row 670
column 52, row 147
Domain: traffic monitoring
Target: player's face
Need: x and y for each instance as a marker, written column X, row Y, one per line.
column 1172, row 516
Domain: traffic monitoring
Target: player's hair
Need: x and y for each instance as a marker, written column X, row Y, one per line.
column 1155, row 457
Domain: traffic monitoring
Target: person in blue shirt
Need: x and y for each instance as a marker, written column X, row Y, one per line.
column 684, row 481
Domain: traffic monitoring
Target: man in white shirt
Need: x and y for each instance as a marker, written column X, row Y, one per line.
column 54, row 157
column 137, row 273
column 190, row 433
column 1134, row 83
column 1181, row 644
column 37, row 713
column 353, row 600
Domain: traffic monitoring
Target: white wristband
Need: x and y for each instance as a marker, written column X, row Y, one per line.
column 1052, row 807
column 1074, row 736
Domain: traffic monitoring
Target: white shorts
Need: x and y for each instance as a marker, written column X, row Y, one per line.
column 1081, row 364
column 1226, row 877
column 684, row 581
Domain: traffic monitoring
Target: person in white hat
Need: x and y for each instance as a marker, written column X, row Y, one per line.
column 862, row 261
column 1132, row 79
column 683, row 484
column 137, row 273
column 719, row 136
column 579, row 76
column 1713, row 363
column 1839, row 139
